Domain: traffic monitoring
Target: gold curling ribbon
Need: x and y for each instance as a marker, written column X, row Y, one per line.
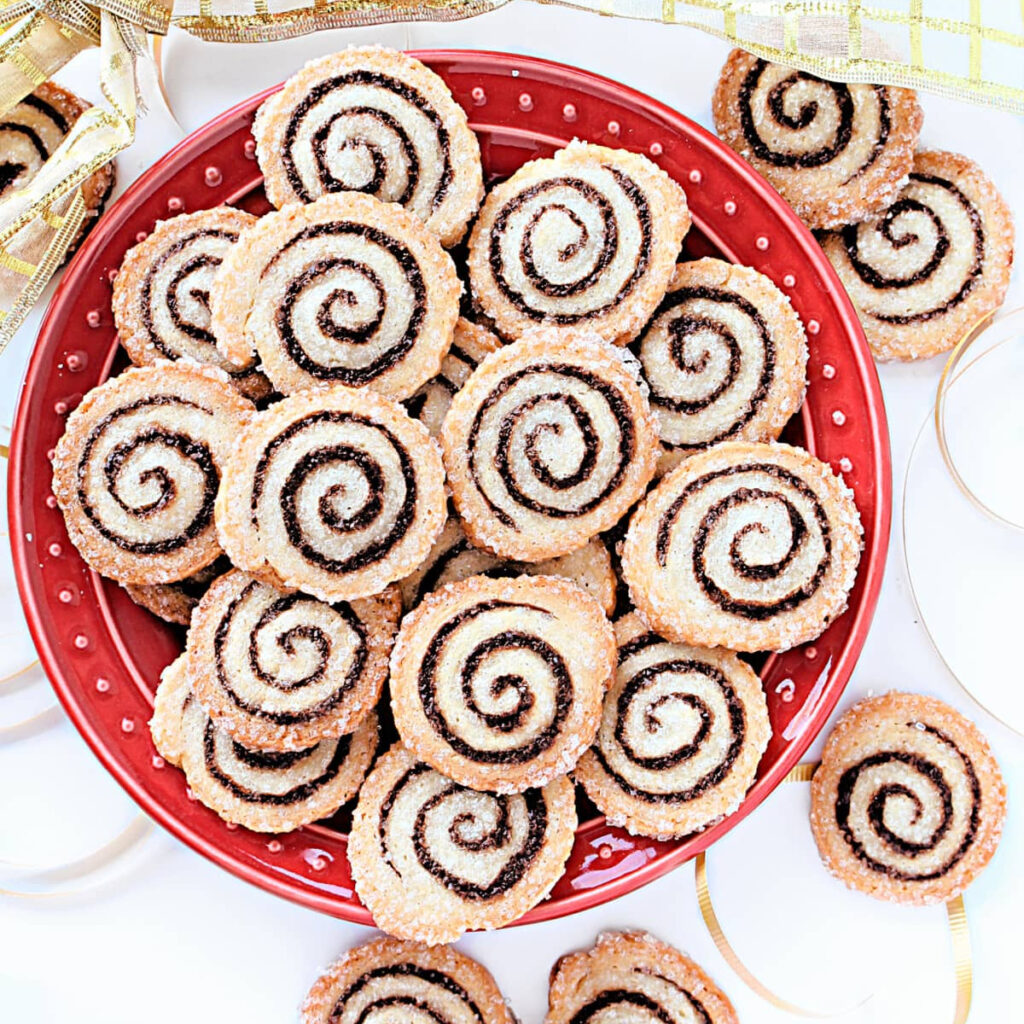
column 956, row 913
column 847, row 40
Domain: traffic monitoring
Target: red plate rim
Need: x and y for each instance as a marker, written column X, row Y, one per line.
column 871, row 570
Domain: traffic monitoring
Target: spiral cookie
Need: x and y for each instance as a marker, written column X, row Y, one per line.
column 138, row 467
column 453, row 558
column 752, row 547
column 633, row 978
column 471, row 344
column 725, row 357
column 498, row 683
column 389, row 980
column 175, row 602
column 162, row 293
column 31, row 131
column 549, row 443
column 337, row 492
column 432, row 859
column 172, row 693
column 837, row 153
column 908, row 803
column 680, row 739
column 372, row 120
column 933, row 264
column 586, row 239
column 347, row 290
column 282, row 671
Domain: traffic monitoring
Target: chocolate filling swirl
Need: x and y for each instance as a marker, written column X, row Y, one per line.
column 241, row 770
column 149, row 476
column 24, row 138
column 364, row 304
column 472, row 824
column 914, row 221
column 782, row 108
column 509, row 697
column 708, row 357
column 575, row 283
column 331, row 634
column 422, row 993
column 781, row 504
column 512, row 431
column 654, row 689
column 636, row 1007
column 916, row 782
column 347, row 484
column 354, row 136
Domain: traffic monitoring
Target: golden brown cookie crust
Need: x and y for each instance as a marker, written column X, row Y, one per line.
column 549, row 443
column 681, row 736
column 413, row 889
column 444, row 983
column 157, row 309
column 703, row 571
column 498, row 683
column 156, row 524
column 575, row 273
column 908, row 803
column 966, row 269
column 282, row 671
column 839, row 181
column 417, row 114
column 725, row 358
column 380, row 458
column 343, row 291
column 648, row 978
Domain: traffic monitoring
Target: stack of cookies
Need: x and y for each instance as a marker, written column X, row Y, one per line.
column 539, row 524
column 921, row 240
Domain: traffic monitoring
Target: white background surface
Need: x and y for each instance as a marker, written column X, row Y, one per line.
column 175, row 938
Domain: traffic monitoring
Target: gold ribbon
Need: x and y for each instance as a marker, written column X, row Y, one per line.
column 956, row 913
column 850, row 41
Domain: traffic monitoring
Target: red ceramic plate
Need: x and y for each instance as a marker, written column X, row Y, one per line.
column 104, row 654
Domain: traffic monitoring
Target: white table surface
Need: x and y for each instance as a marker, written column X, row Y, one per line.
column 175, row 938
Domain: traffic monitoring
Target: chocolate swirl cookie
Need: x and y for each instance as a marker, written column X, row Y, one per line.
column 680, row 739
column 263, row 790
column 175, row 602
column 633, row 978
column 336, row 492
column 432, row 859
column 453, row 558
column 725, row 358
column 30, row 133
column 347, row 290
column 908, row 804
column 372, row 120
column 587, row 239
column 138, row 468
column 550, row 442
column 162, row 293
column 498, row 682
column 939, row 258
column 837, row 153
column 389, row 980
column 281, row 670
column 752, row 547
column 471, row 345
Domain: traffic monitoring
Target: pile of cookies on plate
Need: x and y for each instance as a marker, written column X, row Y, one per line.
column 531, row 521
column 921, row 239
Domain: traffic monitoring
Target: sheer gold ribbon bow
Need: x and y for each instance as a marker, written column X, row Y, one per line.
column 39, row 221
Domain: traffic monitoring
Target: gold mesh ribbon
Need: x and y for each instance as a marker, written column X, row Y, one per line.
column 959, row 932
column 960, row 48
